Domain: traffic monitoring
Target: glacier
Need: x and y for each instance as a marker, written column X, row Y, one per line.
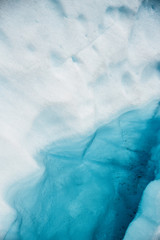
column 79, row 120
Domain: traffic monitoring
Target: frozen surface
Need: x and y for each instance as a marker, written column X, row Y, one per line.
column 79, row 119
column 91, row 186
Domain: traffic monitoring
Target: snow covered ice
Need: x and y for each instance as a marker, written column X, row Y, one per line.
column 79, row 120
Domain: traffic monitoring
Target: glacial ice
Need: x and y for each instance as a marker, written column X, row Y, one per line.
column 79, row 120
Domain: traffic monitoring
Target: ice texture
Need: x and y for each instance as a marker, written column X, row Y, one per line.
column 90, row 187
column 79, row 120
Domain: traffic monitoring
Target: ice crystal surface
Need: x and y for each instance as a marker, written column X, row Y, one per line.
column 79, row 120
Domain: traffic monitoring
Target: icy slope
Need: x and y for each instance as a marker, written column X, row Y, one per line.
column 72, row 74
column 90, row 187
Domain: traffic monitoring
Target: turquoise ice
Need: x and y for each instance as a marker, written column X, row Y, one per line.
column 79, row 120
column 91, row 185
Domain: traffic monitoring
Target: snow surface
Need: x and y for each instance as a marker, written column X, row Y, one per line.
column 77, row 75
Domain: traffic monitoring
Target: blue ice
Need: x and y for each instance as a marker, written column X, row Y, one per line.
column 79, row 120
column 91, row 185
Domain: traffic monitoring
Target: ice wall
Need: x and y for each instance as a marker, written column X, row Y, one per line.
column 72, row 74
column 91, row 186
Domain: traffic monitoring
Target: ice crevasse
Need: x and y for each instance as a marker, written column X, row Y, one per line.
column 79, row 120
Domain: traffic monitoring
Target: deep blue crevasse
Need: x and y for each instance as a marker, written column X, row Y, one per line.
column 91, row 185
